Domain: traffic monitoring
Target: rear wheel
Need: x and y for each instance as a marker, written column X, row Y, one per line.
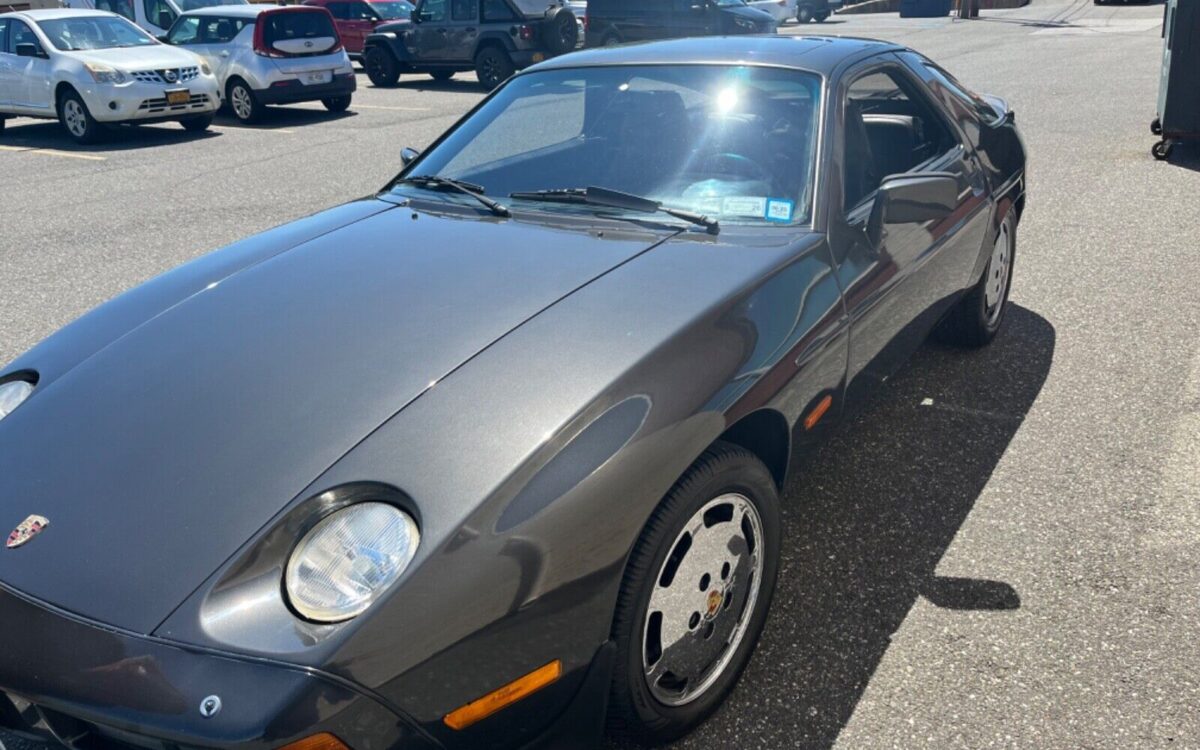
column 196, row 123
column 337, row 104
column 441, row 75
column 976, row 319
column 243, row 102
column 2, row 119
column 382, row 68
column 493, row 67
column 77, row 120
column 695, row 596
column 612, row 40
column 804, row 14
column 560, row 31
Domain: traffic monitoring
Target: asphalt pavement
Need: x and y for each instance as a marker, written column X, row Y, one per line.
column 1001, row 550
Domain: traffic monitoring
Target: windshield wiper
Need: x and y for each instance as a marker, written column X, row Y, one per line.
column 598, row 196
column 466, row 188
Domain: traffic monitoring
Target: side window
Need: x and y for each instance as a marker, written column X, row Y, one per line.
column 340, row 11
column 3, row 30
column 20, row 33
column 187, row 31
column 120, row 7
column 463, row 10
column 221, row 30
column 434, row 11
column 360, row 12
column 497, row 10
column 159, row 13
column 948, row 88
column 889, row 129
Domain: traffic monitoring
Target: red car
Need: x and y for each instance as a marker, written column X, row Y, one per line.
column 357, row 18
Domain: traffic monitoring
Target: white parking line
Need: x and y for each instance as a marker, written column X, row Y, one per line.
column 285, row 131
column 380, row 106
column 53, row 152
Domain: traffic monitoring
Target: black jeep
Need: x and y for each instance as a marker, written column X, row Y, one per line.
column 492, row 37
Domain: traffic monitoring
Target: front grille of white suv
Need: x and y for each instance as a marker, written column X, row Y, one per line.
column 180, row 75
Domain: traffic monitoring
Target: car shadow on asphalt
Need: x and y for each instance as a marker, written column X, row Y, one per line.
column 49, row 134
column 867, row 517
column 283, row 117
column 463, row 83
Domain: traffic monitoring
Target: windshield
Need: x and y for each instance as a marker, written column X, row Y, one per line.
column 94, row 32
column 731, row 142
column 393, row 10
column 187, row 5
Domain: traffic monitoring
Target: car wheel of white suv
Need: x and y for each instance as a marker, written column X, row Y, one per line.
column 76, row 119
column 243, row 102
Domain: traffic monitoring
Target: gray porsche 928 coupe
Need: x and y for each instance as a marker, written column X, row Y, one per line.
column 493, row 458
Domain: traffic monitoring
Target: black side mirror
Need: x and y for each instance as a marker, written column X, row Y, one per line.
column 163, row 38
column 29, row 49
column 408, row 155
column 912, row 199
column 165, row 19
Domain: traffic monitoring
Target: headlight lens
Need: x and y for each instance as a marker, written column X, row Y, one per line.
column 13, row 394
column 105, row 74
column 349, row 558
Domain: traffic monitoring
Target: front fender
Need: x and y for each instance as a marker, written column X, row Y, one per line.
column 390, row 40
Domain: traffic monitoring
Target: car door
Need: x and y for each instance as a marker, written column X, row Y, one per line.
column 359, row 21
column 29, row 77
column 426, row 40
column 7, row 74
column 898, row 281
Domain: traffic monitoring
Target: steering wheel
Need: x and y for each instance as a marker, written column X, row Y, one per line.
column 728, row 164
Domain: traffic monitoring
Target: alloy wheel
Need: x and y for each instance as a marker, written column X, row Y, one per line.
column 702, row 600
column 997, row 273
column 75, row 118
column 239, row 99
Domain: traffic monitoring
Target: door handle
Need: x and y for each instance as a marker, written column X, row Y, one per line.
column 225, row 53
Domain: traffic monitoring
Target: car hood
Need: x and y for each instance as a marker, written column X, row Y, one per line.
column 151, row 57
column 161, row 451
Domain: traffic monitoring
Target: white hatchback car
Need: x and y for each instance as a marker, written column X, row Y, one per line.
column 269, row 54
column 88, row 68
column 781, row 10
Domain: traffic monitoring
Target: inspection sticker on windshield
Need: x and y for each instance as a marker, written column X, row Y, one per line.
column 779, row 210
column 742, row 205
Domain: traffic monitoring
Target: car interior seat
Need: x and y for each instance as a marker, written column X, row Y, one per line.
column 894, row 140
column 861, row 172
column 645, row 136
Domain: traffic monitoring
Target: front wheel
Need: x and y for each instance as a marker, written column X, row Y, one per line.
column 804, row 14
column 976, row 319
column 382, row 68
column 695, row 596
column 493, row 67
column 2, row 119
column 77, row 120
column 196, row 123
column 243, row 102
column 337, row 104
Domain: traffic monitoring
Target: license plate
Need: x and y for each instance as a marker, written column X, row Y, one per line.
column 179, row 97
column 322, row 76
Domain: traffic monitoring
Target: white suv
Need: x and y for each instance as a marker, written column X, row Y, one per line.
column 269, row 54
column 88, row 67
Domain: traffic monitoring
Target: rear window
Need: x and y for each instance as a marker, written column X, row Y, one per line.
column 296, row 24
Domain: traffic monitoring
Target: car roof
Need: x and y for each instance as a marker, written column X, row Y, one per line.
column 48, row 14
column 231, row 11
column 820, row 54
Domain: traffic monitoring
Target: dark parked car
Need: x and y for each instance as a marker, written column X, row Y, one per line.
column 612, row 22
column 357, row 19
column 492, row 37
column 497, row 451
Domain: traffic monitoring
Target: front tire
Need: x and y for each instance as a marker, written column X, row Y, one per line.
column 77, row 120
column 243, row 103
column 804, row 14
column 382, row 68
column 695, row 596
column 2, row 120
column 197, row 123
column 493, row 67
column 976, row 319
column 337, row 104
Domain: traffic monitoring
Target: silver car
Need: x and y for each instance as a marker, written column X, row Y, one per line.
column 269, row 54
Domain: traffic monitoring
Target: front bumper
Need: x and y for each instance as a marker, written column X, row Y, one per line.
column 138, row 102
column 293, row 90
column 90, row 686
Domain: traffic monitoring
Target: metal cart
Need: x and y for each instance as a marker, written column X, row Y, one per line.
column 1179, row 83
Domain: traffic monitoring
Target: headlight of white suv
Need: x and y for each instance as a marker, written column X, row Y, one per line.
column 105, row 74
column 13, row 394
column 348, row 559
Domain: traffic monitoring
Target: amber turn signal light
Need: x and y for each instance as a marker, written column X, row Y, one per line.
column 477, row 710
column 818, row 411
column 322, row 741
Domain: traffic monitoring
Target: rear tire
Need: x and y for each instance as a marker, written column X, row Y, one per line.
column 242, row 102
column 493, row 66
column 612, row 40
column 2, row 119
column 196, row 123
column 804, row 14
column 560, row 31
column 337, row 104
column 714, row 540
column 974, row 321
column 441, row 75
column 382, row 68
column 77, row 120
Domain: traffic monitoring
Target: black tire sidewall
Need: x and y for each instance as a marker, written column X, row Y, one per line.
column 389, row 69
column 723, row 469
column 196, row 123
column 502, row 63
column 255, row 107
column 92, row 133
column 802, row 12
column 991, row 328
column 337, row 104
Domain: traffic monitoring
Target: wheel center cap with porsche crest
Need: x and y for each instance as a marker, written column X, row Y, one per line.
column 28, row 529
